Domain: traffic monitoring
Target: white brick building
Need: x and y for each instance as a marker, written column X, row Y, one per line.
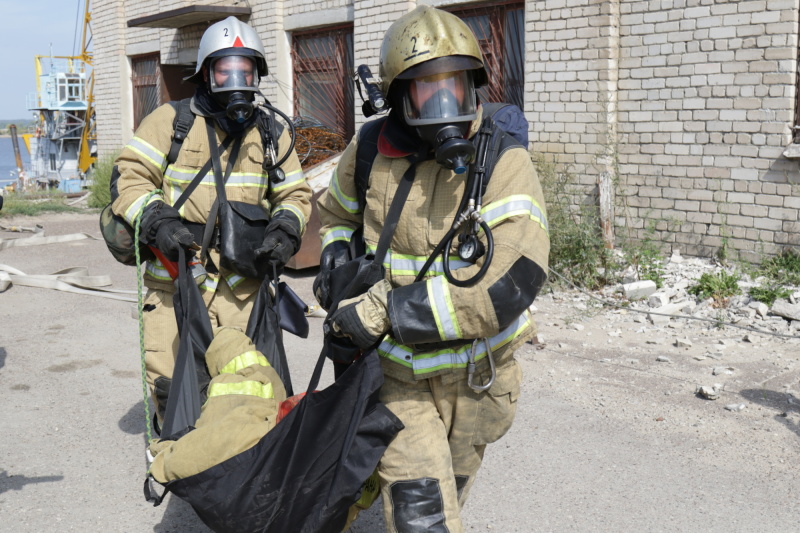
column 688, row 105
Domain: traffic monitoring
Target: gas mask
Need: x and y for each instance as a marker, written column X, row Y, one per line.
column 441, row 107
column 234, row 82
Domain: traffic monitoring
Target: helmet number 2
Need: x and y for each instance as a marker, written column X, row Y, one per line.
column 414, row 51
column 225, row 31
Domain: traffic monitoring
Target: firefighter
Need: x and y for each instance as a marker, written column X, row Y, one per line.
column 230, row 64
column 430, row 66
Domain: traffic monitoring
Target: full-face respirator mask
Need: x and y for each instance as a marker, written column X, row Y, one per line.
column 233, row 81
column 441, row 108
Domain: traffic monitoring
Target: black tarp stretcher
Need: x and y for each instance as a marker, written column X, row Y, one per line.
column 303, row 475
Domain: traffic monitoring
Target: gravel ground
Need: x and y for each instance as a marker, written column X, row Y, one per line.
column 610, row 433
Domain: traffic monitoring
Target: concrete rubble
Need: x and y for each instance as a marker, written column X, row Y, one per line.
column 669, row 324
column 663, row 305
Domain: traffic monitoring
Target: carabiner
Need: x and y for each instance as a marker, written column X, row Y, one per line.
column 471, row 367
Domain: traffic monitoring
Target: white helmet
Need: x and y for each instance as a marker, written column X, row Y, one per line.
column 229, row 37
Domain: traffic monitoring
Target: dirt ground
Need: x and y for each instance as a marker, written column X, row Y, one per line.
column 610, row 433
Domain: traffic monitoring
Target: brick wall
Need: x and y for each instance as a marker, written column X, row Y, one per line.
column 110, row 70
column 697, row 108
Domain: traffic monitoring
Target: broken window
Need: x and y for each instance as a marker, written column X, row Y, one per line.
column 146, row 82
column 500, row 30
column 323, row 70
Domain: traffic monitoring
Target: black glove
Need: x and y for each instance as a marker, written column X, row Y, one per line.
column 334, row 255
column 161, row 227
column 280, row 244
column 363, row 319
column 347, row 324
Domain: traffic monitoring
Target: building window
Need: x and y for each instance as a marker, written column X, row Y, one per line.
column 500, row 30
column 146, row 81
column 323, row 71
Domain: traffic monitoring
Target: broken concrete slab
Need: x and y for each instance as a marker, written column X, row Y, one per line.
column 784, row 309
column 639, row 290
column 657, row 299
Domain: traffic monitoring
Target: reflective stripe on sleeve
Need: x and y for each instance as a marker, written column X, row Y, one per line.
column 148, row 151
column 295, row 211
column 443, row 311
column 515, row 205
column 243, row 361
column 249, row 388
column 133, row 211
column 292, row 179
column 337, row 233
column 349, row 203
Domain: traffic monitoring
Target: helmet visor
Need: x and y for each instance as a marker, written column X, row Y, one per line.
column 233, row 73
column 440, row 98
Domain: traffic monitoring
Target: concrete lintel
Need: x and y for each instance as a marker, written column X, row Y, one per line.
column 322, row 17
column 187, row 56
column 147, row 47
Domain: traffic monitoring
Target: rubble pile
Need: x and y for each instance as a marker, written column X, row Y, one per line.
column 722, row 348
column 673, row 299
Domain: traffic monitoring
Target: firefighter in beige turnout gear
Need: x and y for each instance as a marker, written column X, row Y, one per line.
column 230, row 63
column 430, row 64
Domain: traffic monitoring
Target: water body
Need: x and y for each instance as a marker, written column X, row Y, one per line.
column 8, row 164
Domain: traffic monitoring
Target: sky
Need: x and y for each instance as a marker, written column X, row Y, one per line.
column 29, row 28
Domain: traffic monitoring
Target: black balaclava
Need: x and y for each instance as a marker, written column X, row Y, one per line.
column 211, row 106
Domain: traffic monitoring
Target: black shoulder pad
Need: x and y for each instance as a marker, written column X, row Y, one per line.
column 184, row 118
column 366, row 151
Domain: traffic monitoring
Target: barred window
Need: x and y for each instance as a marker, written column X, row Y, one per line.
column 500, row 30
column 323, row 69
column 146, row 81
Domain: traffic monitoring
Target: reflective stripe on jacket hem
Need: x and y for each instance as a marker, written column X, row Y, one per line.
column 426, row 364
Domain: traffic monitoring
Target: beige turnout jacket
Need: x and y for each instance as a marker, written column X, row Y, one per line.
column 433, row 321
column 143, row 169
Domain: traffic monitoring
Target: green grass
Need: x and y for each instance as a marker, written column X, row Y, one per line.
column 101, row 179
column 31, row 205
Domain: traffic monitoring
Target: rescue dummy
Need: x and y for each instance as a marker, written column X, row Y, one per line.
column 465, row 262
column 244, row 398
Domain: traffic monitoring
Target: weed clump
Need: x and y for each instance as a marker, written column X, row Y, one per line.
column 784, row 268
column 576, row 246
column 720, row 286
column 101, row 181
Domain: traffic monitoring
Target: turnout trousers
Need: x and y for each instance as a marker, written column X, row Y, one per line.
column 429, row 468
column 161, row 337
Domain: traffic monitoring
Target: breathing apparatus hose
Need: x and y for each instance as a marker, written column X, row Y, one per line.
column 488, row 261
column 469, row 213
column 292, row 133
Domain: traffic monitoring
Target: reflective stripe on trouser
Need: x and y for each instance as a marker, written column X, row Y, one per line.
column 161, row 327
column 428, row 469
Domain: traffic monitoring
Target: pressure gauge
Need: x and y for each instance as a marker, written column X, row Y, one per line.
column 470, row 249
